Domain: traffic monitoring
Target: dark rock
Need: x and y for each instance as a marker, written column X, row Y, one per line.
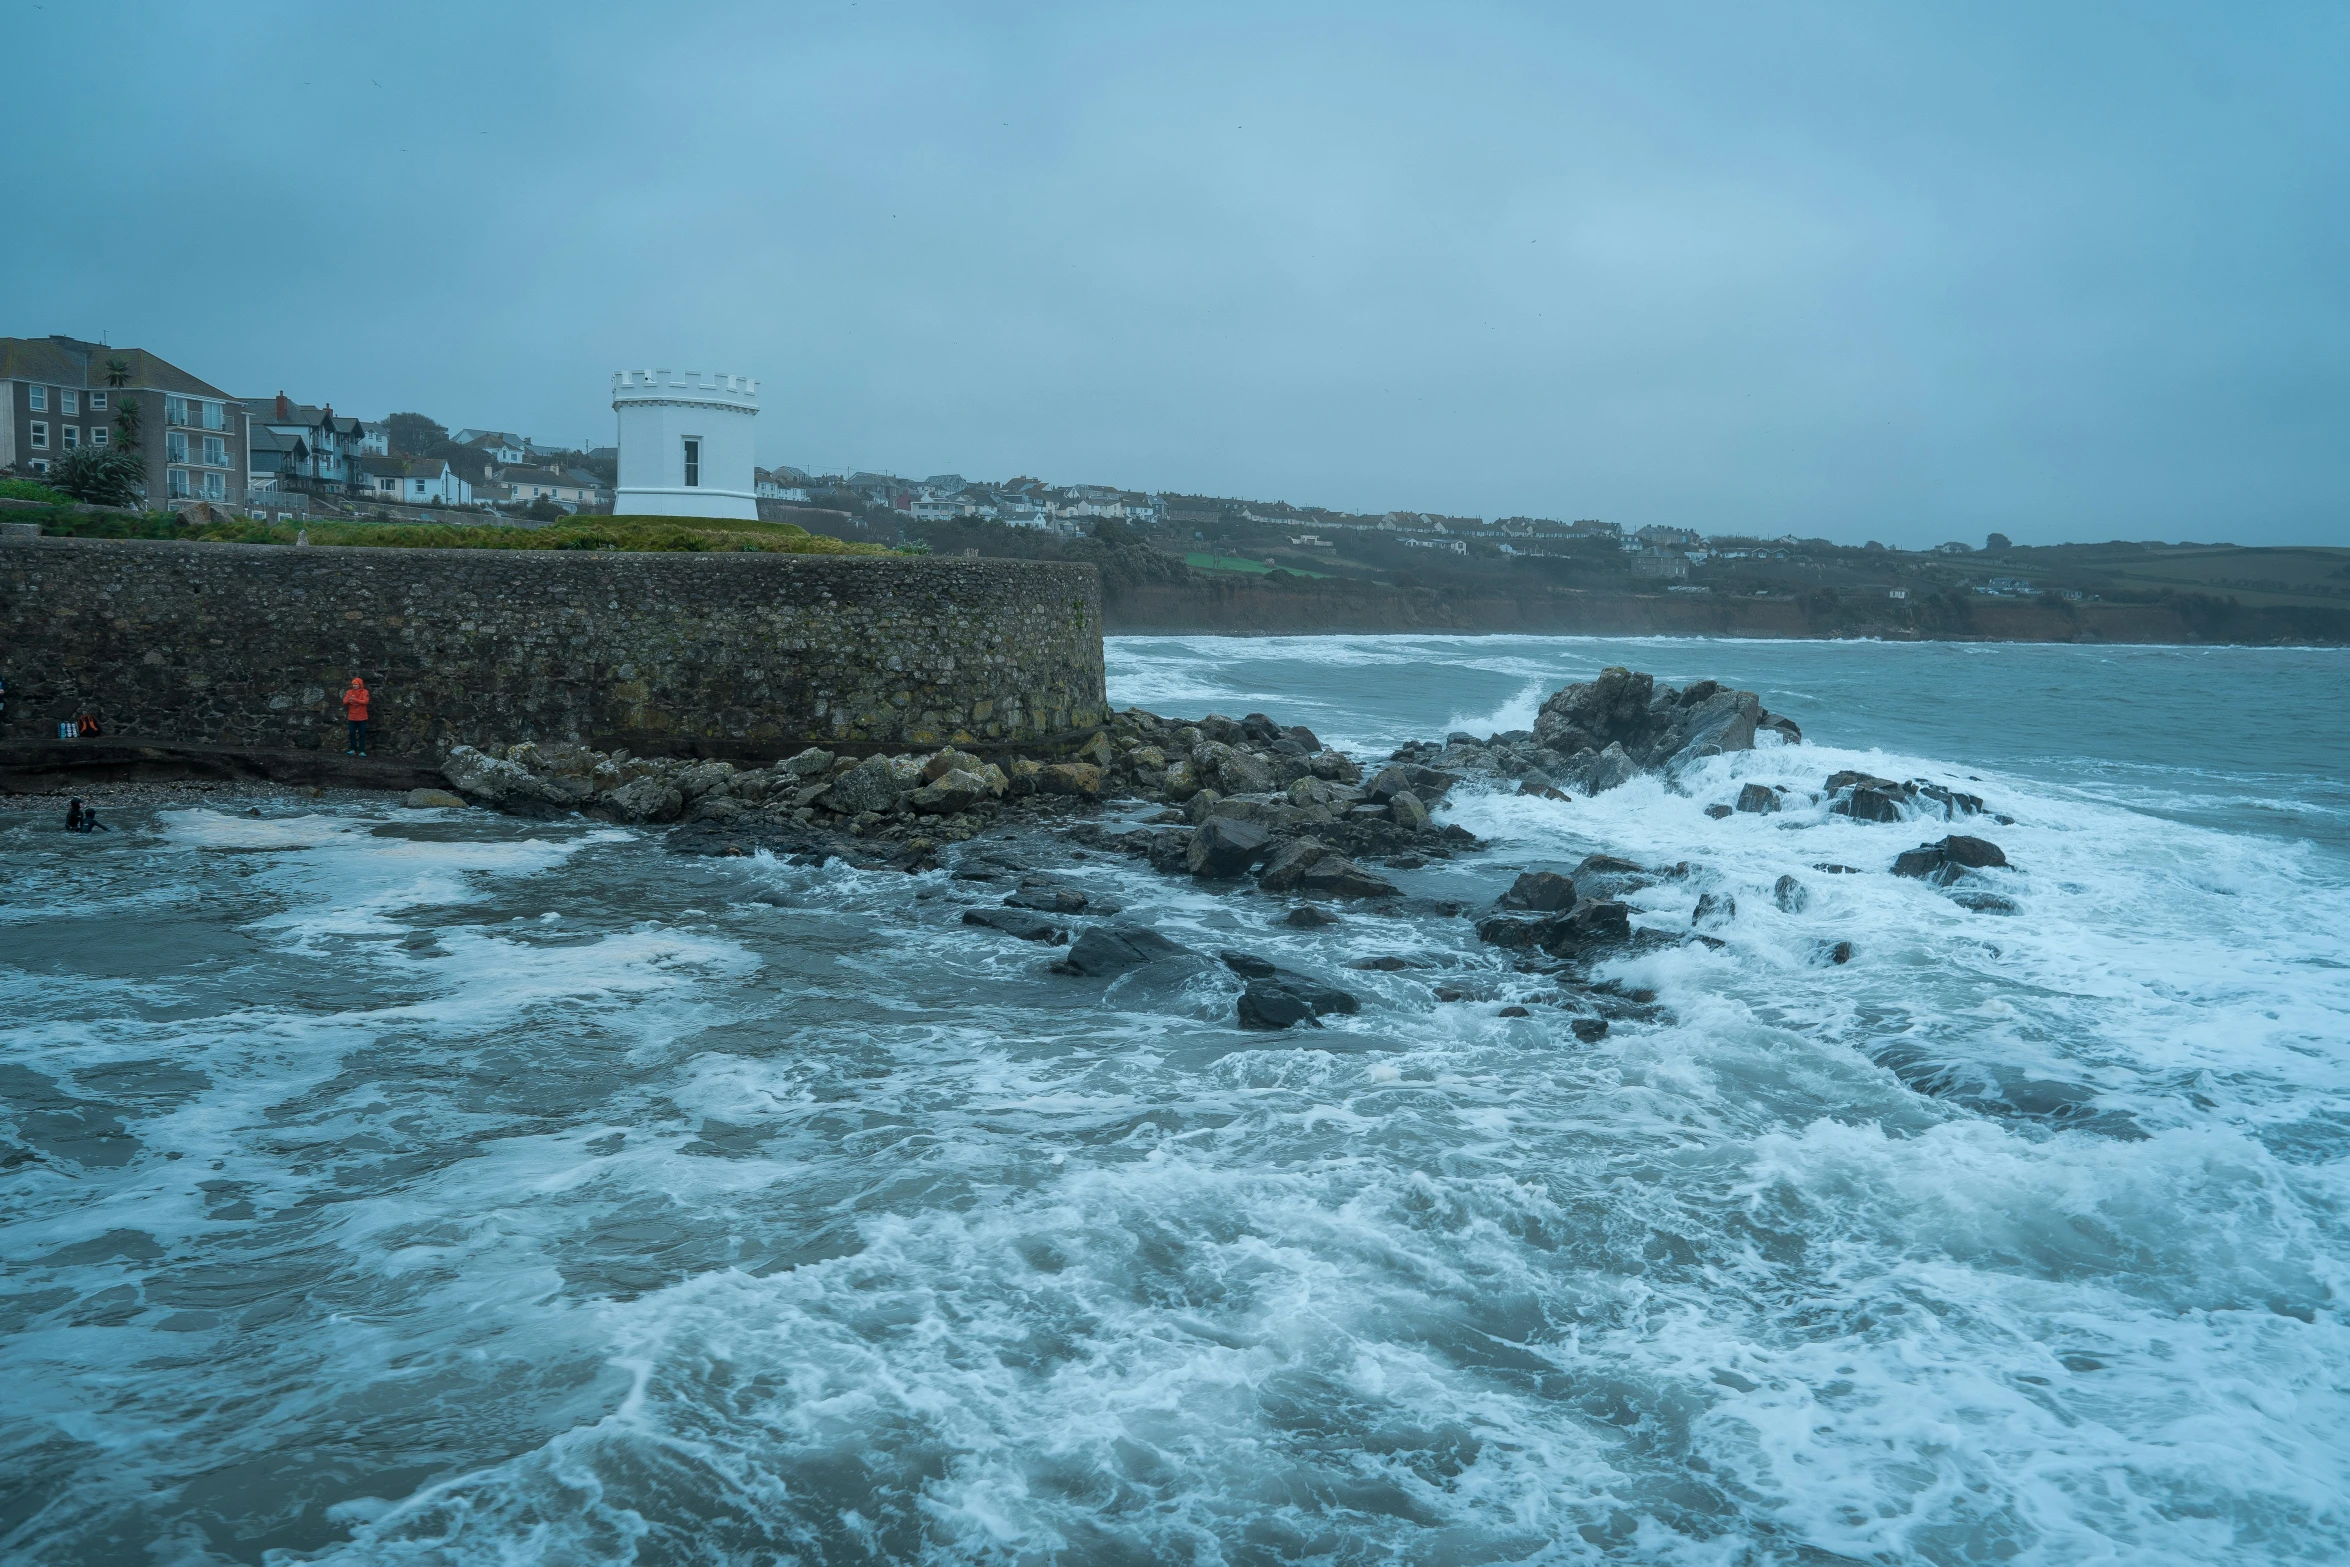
column 1407, row 812
column 1718, row 812
column 1612, row 769
column 1016, row 922
column 1606, row 876
column 1499, row 930
column 1290, row 861
column 1790, row 894
column 1784, row 727
column 1590, row 1030
column 1513, row 1012
column 1866, row 804
column 1944, row 862
column 1281, row 999
column 1336, row 876
column 1714, row 910
column 1260, row 730
column 1310, row 917
column 1405, row 862
column 1248, row 965
column 1647, row 726
column 1047, row 900
column 1539, row 786
column 1543, row 892
column 1385, row 963
column 1588, row 928
column 1305, row 737
column 1953, row 803
column 1837, row 952
column 1113, row 949
column 1224, row 846
column 1837, row 870
column 1985, row 903
column 1758, row 799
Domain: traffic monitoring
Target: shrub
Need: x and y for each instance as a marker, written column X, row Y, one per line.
column 100, row 475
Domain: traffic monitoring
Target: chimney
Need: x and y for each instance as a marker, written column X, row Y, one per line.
column 283, row 412
column 329, row 416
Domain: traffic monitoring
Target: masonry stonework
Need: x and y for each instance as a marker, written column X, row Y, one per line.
column 730, row 654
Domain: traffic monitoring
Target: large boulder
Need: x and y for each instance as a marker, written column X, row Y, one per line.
column 1336, row 876
column 1080, row 779
column 1017, row 922
column 1542, row 892
column 1283, row 1000
column 1225, row 846
column 872, row 785
column 1583, row 931
column 1945, row 862
column 497, row 781
column 1655, row 727
column 1611, row 769
column 955, row 790
column 1290, row 861
column 1229, row 770
column 1113, row 949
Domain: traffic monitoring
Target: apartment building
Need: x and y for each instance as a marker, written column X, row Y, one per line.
column 58, row 394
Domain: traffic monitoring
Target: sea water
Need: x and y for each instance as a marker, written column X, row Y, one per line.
column 409, row 1186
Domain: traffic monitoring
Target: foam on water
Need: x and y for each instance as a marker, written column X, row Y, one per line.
column 453, row 1189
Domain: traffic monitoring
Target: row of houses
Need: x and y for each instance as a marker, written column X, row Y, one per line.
column 61, row 394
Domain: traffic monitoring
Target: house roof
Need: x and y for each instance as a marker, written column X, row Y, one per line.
column 261, row 438
column 539, row 476
column 68, row 361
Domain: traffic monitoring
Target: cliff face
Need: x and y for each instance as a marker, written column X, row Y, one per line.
column 1273, row 609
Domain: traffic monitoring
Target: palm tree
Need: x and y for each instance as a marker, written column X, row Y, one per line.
column 118, row 371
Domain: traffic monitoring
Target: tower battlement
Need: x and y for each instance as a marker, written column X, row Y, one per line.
column 682, row 386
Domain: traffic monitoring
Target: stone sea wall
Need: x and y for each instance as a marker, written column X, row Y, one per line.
column 724, row 655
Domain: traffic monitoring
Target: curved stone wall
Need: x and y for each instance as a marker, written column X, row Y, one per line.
column 718, row 654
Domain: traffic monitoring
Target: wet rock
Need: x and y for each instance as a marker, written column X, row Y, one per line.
column 1985, row 903
column 1334, row 767
column 948, row 761
column 1289, row 862
column 1790, row 895
column 507, row 785
column 1080, row 779
column 870, row 785
column 1282, row 999
column 1385, row 963
column 646, row 799
column 1542, row 892
column 950, row 792
column 1336, row 876
column 433, row 799
column 1247, row 964
column 1428, row 785
column 1945, row 862
column 1714, row 910
column 1833, row 869
column 809, row 764
column 1652, row 727
column 1501, row 930
column 1782, row 726
column 1538, row 786
column 1048, row 898
column 1836, row 952
column 1758, row 799
column 1407, row 812
column 1612, row 769
column 1513, row 1012
column 1224, row 846
column 1113, row 949
column 1590, row 1030
column 1017, row 922
column 1719, row 812
column 1230, row 770
column 1310, row 917
column 1587, row 929
column 1608, row 876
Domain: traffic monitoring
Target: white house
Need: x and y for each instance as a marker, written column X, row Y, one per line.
column 686, row 443
column 420, row 481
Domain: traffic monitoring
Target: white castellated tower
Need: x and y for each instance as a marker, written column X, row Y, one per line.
column 685, row 444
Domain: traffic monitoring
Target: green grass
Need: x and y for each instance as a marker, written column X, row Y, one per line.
column 627, row 535
column 30, row 490
column 1205, row 562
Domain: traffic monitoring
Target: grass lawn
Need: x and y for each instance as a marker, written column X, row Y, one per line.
column 1206, row 562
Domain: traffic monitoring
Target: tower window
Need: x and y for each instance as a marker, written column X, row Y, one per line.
column 693, row 463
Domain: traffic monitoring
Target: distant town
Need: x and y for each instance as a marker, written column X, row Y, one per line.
column 124, row 426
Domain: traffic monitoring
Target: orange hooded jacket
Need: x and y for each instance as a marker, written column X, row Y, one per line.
column 355, row 700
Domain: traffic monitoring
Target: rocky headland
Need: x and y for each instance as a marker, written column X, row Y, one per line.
column 1256, row 808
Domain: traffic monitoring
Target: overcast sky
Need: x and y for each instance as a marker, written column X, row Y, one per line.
column 1866, row 271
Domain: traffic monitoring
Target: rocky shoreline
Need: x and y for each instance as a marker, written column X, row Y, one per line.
column 1251, row 805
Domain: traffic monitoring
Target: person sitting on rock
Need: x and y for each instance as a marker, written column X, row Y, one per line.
column 86, row 726
column 355, row 714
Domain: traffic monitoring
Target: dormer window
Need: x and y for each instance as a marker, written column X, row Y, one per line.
column 693, row 462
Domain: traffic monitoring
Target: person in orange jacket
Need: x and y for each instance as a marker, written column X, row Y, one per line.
column 355, row 714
